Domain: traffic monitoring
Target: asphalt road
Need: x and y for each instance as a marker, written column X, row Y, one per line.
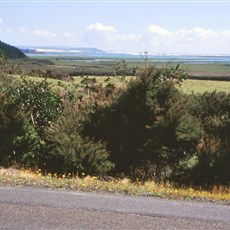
column 31, row 208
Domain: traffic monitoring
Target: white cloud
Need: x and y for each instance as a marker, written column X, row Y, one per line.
column 226, row 33
column 195, row 40
column 158, row 30
column 154, row 39
column 108, row 38
column 44, row 33
column 4, row 30
column 100, row 27
column 68, row 35
column 22, row 30
column 157, row 39
column 204, row 33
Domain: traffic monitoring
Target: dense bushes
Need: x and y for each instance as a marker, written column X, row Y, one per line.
column 154, row 131
column 27, row 109
column 36, row 129
column 70, row 152
column 148, row 129
column 213, row 153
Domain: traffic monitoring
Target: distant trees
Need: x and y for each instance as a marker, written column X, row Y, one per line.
column 11, row 52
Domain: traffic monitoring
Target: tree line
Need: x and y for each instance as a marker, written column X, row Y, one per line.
column 11, row 52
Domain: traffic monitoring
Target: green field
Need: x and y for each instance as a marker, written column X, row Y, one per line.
column 105, row 66
column 188, row 86
column 201, row 86
column 78, row 67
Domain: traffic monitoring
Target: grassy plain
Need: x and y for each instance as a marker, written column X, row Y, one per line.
column 200, row 86
column 80, row 66
column 101, row 69
column 188, row 86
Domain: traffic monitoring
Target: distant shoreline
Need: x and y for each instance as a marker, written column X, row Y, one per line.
column 94, row 53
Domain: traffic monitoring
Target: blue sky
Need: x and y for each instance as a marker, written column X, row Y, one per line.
column 121, row 26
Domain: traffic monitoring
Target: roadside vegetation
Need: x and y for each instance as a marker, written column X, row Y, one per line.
column 137, row 135
column 31, row 178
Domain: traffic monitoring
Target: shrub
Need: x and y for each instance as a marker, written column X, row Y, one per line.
column 38, row 101
column 69, row 152
column 213, row 153
column 147, row 128
column 27, row 108
column 18, row 136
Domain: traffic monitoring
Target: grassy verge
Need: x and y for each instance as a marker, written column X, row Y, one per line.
column 14, row 177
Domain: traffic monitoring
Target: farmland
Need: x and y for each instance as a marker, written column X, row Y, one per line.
column 201, row 77
column 187, row 86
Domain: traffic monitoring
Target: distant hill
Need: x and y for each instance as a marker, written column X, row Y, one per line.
column 11, row 52
column 60, row 50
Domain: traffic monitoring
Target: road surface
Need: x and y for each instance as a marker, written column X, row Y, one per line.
column 32, row 208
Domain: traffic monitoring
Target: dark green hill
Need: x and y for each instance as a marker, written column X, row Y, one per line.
column 11, row 52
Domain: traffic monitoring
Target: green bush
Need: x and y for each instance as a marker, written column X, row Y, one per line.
column 27, row 108
column 147, row 129
column 18, row 136
column 213, row 153
column 69, row 152
column 38, row 101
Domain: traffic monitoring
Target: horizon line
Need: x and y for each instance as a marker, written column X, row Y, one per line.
column 115, row 1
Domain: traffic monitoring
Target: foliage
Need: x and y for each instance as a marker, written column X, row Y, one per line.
column 52, row 74
column 10, row 120
column 213, row 110
column 121, row 68
column 71, row 153
column 147, row 128
column 18, row 137
column 38, row 100
column 27, row 108
column 11, row 51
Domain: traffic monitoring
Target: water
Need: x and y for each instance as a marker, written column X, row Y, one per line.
column 100, row 56
column 196, row 59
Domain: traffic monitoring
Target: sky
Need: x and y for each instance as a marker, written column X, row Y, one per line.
column 179, row 27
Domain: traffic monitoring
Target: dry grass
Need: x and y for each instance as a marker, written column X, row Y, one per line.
column 201, row 86
column 14, row 177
